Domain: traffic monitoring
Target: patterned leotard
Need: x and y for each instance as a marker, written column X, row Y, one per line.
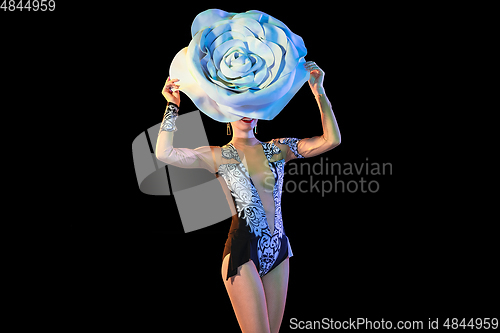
column 249, row 236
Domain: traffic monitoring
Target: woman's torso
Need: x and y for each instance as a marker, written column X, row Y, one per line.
column 255, row 162
column 254, row 177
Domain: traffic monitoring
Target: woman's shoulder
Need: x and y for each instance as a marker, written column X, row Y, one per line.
column 286, row 140
column 289, row 146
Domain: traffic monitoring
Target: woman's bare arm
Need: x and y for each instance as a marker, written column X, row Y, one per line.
column 201, row 157
column 331, row 135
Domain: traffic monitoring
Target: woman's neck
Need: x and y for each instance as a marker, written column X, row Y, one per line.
column 247, row 139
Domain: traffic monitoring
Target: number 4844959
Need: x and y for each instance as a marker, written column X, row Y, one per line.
column 34, row 5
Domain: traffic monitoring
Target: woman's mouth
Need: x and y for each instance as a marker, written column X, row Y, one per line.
column 247, row 120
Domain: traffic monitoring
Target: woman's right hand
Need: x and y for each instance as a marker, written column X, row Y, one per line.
column 171, row 91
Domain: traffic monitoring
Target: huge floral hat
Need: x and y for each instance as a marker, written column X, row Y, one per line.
column 240, row 65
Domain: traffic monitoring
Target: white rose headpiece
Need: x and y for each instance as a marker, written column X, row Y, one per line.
column 240, row 65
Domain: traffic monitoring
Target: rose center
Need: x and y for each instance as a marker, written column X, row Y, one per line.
column 239, row 59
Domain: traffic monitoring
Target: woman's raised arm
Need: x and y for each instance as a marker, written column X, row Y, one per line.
column 202, row 157
column 331, row 135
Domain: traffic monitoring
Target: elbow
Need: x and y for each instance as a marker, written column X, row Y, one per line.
column 163, row 156
column 333, row 142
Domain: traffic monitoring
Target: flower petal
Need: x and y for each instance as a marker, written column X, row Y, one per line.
column 274, row 34
column 270, row 110
column 244, row 81
column 276, row 67
column 261, row 76
column 251, row 25
column 258, row 62
column 224, row 37
column 224, row 26
column 291, row 58
column 258, row 47
column 208, row 18
column 220, row 51
column 296, row 39
column 240, row 65
column 211, row 67
column 228, row 71
column 179, row 69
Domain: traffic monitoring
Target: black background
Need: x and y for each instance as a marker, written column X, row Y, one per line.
column 406, row 252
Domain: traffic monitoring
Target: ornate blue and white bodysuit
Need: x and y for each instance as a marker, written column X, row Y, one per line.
column 250, row 237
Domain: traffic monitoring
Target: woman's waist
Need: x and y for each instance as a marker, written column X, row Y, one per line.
column 252, row 227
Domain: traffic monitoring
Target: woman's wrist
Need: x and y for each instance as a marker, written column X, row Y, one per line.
column 322, row 101
column 177, row 105
column 319, row 92
column 169, row 118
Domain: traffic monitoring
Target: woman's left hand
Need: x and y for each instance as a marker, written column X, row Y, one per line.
column 316, row 78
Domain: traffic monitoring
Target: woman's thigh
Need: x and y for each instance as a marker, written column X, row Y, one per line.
column 275, row 288
column 247, row 296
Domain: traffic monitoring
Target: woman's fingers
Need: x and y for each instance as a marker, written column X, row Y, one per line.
column 173, row 87
column 170, row 86
column 311, row 66
column 171, row 90
column 169, row 82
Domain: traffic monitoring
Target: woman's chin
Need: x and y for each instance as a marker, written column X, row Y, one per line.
column 245, row 124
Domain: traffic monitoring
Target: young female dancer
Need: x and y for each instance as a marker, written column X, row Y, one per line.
column 255, row 263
